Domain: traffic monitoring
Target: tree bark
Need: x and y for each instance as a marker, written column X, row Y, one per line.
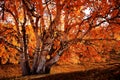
column 25, row 68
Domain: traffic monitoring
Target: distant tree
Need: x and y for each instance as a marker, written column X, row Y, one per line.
column 53, row 26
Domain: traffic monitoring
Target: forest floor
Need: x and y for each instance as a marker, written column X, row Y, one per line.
column 109, row 70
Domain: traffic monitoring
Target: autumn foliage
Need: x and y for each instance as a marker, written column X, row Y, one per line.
column 45, row 31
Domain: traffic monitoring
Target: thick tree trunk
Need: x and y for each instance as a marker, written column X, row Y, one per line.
column 42, row 61
column 35, row 64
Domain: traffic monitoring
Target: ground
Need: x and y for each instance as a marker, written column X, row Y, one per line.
column 109, row 70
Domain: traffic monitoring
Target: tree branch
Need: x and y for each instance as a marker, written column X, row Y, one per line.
column 2, row 39
column 30, row 8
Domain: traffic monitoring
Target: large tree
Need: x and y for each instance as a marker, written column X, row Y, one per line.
column 54, row 26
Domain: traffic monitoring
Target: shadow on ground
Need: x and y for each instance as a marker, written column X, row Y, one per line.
column 112, row 73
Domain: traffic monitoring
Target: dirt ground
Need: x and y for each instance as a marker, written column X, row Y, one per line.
column 109, row 70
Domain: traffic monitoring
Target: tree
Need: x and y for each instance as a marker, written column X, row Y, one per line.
column 55, row 25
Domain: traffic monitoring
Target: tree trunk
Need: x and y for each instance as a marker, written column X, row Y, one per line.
column 42, row 61
column 24, row 56
column 35, row 64
column 37, row 53
column 25, row 68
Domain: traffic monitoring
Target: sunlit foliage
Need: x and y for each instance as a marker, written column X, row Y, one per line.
column 45, row 30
